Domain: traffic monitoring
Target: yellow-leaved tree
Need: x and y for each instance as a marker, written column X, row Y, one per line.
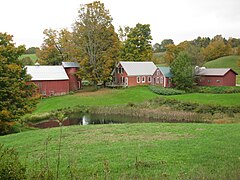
column 96, row 42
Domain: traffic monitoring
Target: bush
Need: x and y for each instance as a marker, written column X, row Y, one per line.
column 10, row 166
column 195, row 107
column 218, row 89
column 165, row 91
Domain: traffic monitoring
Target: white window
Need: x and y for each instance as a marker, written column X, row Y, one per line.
column 158, row 72
column 149, row 79
column 138, row 79
column 143, row 79
column 157, row 81
column 208, row 80
column 218, row 81
column 161, row 80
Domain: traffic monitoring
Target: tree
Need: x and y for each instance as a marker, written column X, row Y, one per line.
column 182, row 70
column 218, row 47
column 164, row 44
column 26, row 61
column 31, row 50
column 202, row 42
column 137, row 46
column 156, row 48
column 96, row 41
column 16, row 95
column 57, row 46
column 172, row 52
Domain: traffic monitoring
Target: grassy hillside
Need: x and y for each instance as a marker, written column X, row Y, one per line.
column 102, row 97
column 32, row 56
column 134, row 151
column 226, row 62
column 108, row 97
column 214, row 99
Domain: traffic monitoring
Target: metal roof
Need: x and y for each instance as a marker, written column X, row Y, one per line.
column 138, row 68
column 47, row 73
column 70, row 64
column 213, row 71
column 166, row 71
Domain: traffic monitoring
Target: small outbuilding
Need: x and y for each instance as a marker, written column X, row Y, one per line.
column 215, row 76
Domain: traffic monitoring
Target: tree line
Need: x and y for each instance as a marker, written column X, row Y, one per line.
column 201, row 49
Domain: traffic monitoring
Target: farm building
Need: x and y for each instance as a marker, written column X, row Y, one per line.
column 162, row 76
column 128, row 73
column 71, row 68
column 54, row 80
column 215, row 76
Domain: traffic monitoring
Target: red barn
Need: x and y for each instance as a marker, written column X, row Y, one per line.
column 55, row 80
column 216, row 76
column 128, row 73
column 51, row 80
column 71, row 69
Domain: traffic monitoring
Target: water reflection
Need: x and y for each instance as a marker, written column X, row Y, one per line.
column 85, row 119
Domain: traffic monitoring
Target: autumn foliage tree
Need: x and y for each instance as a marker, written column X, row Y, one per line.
column 57, row 46
column 217, row 48
column 96, row 41
column 16, row 95
column 137, row 46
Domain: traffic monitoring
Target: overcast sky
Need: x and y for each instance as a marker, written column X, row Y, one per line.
column 175, row 19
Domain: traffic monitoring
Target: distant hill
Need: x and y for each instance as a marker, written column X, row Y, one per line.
column 32, row 56
column 226, row 62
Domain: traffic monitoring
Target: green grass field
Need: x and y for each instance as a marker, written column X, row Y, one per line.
column 226, row 62
column 32, row 56
column 135, row 151
column 215, row 99
column 109, row 97
column 101, row 97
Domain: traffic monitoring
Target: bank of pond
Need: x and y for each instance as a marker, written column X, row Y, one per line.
column 156, row 110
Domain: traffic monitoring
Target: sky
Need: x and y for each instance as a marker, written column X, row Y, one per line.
column 169, row 19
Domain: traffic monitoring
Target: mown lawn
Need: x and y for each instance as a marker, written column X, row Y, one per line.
column 216, row 99
column 134, row 151
column 102, row 97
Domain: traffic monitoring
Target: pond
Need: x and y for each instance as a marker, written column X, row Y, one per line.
column 86, row 119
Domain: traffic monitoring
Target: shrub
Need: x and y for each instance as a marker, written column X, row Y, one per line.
column 217, row 89
column 10, row 166
column 165, row 91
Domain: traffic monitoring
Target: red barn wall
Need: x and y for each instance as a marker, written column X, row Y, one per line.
column 53, row 88
column 74, row 82
column 229, row 79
